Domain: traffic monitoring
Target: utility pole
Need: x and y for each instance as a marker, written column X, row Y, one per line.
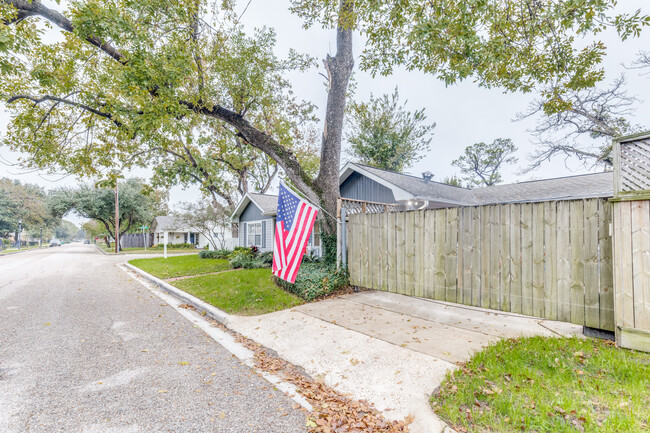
column 117, row 219
column 41, row 244
column 20, row 229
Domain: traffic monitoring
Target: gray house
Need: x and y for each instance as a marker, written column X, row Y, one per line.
column 255, row 215
column 360, row 182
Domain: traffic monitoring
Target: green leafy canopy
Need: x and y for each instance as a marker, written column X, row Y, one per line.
column 516, row 45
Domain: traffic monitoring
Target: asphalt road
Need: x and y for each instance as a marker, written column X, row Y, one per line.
column 85, row 348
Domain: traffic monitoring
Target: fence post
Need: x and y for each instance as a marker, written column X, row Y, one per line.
column 631, row 241
column 344, row 238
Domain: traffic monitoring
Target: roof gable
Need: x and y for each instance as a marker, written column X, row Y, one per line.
column 266, row 203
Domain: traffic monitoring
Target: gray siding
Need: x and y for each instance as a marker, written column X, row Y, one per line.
column 251, row 213
column 359, row 187
column 268, row 232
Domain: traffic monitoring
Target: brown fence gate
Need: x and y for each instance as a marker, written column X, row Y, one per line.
column 551, row 260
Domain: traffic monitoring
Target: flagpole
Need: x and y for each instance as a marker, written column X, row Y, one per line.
column 304, row 197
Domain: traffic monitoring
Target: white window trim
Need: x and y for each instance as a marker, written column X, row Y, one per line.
column 248, row 238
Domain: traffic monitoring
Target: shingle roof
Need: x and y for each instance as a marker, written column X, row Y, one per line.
column 562, row 188
column 165, row 223
column 426, row 190
column 267, row 202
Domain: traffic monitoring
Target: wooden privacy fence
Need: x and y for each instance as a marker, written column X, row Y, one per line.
column 551, row 260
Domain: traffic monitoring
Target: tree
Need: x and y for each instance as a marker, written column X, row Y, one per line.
column 582, row 126
column 385, row 135
column 210, row 221
column 23, row 202
column 93, row 228
column 129, row 73
column 481, row 163
column 136, row 205
column 453, row 181
column 66, row 230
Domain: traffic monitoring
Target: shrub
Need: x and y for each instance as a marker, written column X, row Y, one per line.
column 216, row 254
column 315, row 280
column 173, row 246
column 248, row 258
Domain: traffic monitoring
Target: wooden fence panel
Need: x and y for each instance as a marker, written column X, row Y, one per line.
column 505, row 257
column 516, row 285
column 576, row 226
column 429, row 254
column 527, row 259
column 551, row 260
column 495, row 270
column 465, row 256
column 484, row 287
column 451, row 254
column 563, row 262
column 409, row 254
column 592, row 295
column 439, row 279
column 419, row 254
column 538, row 260
column 550, row 267
column 606, row 273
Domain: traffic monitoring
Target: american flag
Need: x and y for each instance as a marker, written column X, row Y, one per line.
column 293, row 226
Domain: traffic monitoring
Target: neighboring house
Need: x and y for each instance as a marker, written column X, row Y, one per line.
column 360, row 182
column 255, row 215
column 180, row 234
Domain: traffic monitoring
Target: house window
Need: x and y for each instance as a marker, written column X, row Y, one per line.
column 254, row 234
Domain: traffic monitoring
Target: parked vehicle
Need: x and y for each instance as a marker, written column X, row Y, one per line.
column 55, row 243
column 87, row 242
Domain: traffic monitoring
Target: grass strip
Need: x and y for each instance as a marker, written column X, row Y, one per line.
column 548, row 384
column 180, row 266
column 246, row 292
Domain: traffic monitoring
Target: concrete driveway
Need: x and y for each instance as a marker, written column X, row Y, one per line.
column 389, row 349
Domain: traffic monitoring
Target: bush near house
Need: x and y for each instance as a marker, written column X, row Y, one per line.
column 546, row 384
column 315, row 280
column 174, row 246
column 216, row 254
column 250, row 258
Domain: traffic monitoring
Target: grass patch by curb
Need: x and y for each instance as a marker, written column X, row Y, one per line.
column 180, row 266
column 548, row 384
column 245, row 292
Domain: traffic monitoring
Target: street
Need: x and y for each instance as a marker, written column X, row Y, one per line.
column 85, row 348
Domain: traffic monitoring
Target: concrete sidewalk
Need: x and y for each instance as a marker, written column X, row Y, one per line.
column 389, row 349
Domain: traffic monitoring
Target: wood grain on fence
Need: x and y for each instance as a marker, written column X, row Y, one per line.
column 551, row 260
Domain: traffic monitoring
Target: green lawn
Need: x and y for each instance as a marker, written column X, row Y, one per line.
column 548, row 385
column 180, row 266
column 13, row 250
column 246, row 292
column 157, row 250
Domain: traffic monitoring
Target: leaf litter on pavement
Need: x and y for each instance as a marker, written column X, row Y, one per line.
column 332, row 412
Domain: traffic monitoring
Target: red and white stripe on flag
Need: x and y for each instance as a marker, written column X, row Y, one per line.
column 294, row 223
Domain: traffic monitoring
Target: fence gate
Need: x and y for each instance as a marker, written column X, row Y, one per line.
column 551, row 260
column 632, row 241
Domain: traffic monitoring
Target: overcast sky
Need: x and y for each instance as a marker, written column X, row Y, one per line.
column 464, row 113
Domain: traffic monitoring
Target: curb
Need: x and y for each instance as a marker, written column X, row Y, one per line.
column 21, row 251
column 101, row 251
column 226, row 340
column 210, row 310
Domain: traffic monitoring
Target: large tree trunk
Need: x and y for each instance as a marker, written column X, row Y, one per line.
column 339, row 69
